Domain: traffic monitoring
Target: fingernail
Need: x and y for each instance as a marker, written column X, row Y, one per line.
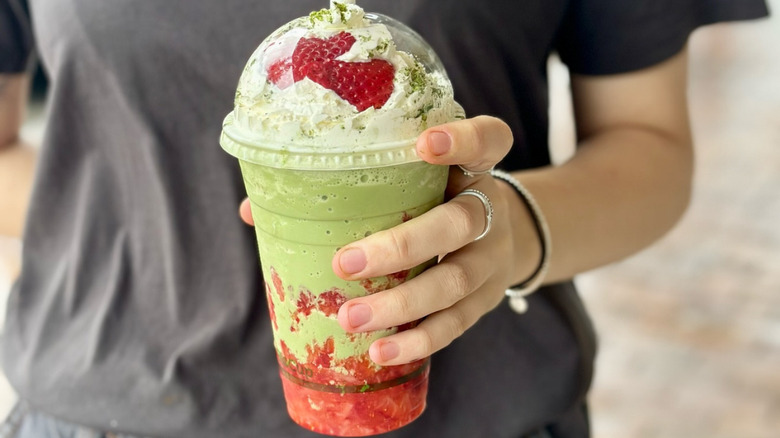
column 352, row 261
column 358, row 314
column 439, row 143
column 389, row 351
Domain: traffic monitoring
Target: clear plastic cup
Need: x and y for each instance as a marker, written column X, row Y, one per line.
column 310, row 196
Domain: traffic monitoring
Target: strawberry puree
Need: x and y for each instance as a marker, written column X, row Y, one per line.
column 374, row 285
column 327, row 303
column 347, row 396
column 277, row 284
column 330, row 301
column 356, row 414
column 271, row 307
column 366, row 401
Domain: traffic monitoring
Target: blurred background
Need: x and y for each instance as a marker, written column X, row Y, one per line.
column 689, row 329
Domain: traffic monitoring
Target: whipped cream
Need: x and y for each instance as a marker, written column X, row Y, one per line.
column 305, row 116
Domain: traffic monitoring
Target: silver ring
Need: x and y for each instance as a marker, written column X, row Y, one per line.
column 485, row 203
column 473, row 173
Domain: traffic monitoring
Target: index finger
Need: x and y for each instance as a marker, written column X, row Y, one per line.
column 477, row 144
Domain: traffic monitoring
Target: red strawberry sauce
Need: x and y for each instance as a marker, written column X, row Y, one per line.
column 366, row 401
column 349, row 396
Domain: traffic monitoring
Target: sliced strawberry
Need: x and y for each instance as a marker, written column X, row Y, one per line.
column 280, row 73
column 362, row 84
column 316, row 51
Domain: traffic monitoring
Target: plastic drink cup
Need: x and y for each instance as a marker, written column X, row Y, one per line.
column 302, row 218
column 312, row 194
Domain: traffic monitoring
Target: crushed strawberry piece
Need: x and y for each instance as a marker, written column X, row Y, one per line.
column 277, row 73
column 330, row 301
column 305, row 303
column 380, row 284
column 321, row 356
column 277, row 284
column 271, row 308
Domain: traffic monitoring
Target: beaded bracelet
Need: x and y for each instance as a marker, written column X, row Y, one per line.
column 518, row 292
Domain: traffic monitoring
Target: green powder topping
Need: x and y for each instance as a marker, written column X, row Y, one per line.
column 380, row 48
column 321, row 15
column 342, row 9
column 417, row 78
column 326, row 15
column 423, row 114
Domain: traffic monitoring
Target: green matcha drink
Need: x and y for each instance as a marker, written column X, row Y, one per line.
column 302, row 218
column 326, row 118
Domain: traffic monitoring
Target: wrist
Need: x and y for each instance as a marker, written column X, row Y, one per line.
column 518, row 292
column 527, row 250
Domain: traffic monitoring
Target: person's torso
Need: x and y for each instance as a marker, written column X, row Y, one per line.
column 140, row 306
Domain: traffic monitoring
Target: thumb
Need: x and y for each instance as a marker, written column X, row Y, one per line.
column 476, row 144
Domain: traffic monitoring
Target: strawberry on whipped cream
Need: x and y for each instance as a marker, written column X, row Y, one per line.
column 336, row 80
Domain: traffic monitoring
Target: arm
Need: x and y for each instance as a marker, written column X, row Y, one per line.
column 17, row 160
column 630, row 179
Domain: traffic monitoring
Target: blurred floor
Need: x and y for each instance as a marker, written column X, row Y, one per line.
column 689, row 329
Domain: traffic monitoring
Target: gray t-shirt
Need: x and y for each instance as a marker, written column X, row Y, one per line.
column 140, row 304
